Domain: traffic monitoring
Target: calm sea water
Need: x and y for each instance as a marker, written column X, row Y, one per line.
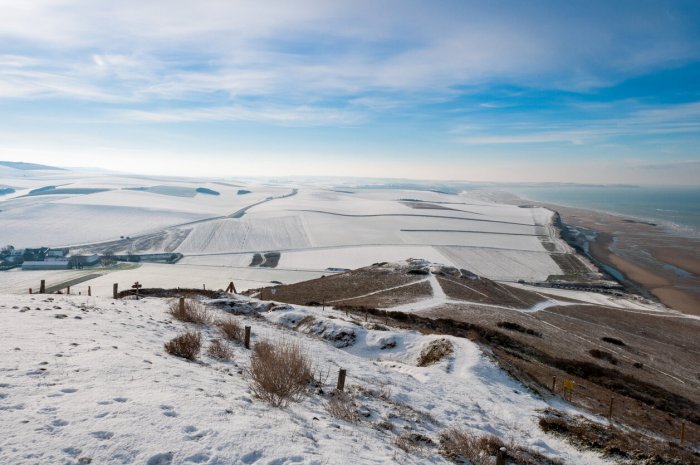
column 676, row 207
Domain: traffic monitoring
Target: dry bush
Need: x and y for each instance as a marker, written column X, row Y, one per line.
column 458, row 444
column 342, row 406
column 603, row 355
column 186, row 345
column 413, row 442
column 232, row 329
column 191, row 312
column 434, row 352
column 280, row 372
column 218, row 349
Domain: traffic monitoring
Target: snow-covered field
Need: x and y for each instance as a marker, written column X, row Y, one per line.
column 314, row 227
column 86, row 380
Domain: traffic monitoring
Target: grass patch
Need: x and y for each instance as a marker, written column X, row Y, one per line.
column 342, row 406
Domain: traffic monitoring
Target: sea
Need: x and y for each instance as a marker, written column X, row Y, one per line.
column 678, row 208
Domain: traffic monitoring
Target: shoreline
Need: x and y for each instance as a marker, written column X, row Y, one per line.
column 652, row 258
column 649, row 257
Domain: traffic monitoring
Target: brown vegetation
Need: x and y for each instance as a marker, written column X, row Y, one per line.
column 434, row 352
column 231, row 329
column 186, row 345
column 190, row 311
column 626, row 445
column 517, row 327
column 342, row 406
column 603, row 355
column 280, row 372
column 218, row 349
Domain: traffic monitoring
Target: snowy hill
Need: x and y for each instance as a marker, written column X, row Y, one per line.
column 87, row 380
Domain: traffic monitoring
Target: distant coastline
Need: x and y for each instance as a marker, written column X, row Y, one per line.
column 652, row 258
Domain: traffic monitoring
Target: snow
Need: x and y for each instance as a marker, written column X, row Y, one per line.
column 96, row 383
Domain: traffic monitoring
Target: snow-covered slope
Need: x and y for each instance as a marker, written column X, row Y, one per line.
column 86, row 380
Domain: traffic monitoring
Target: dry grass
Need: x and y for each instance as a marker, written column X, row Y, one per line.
column 186, row 345
column 625, row 445
column 342, row 406
column 459, row 444
column 231, row 329
column 603, row 355
column 190, row 312
column 218, row 349
column 412, row 443
column 434, row 352
column 280, row 372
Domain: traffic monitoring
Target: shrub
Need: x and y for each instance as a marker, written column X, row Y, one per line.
column 190, row 312
column 413, row 442
column 603, row 355
column 458, row 444
column 280, row 372
column 517, row 327
column 612, row 340
column 219, row 350
column 342, row 406
column 231, row 329
column 186, row 345
column 434, row 352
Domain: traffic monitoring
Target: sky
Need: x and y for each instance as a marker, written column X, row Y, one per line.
column 524, row 91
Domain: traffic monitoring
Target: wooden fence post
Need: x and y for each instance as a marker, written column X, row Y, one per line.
column 682, row 432
column 341, row 379
column 89, row 292
column 42, row 287
column 610, row 408
column 204, row 287
column 246, row 342
column 68, row 290
column 30, row 290
column 182, row 305
column 323, row 308
column 554, row 383
column 501, row 456
column 115, row 290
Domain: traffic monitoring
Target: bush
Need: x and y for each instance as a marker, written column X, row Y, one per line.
column 458, row 444
column 434, row 352
column 519, row 328
column 219, row 350
column 603, row 355
column 342, row 406
column 280, row 373
column 232, row 329
column 612, row 340
column 190, row 312
column 186, row 345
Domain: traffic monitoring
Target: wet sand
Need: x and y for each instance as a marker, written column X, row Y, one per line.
column 662, row 262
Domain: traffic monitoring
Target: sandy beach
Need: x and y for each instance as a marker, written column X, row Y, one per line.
column 660, row 261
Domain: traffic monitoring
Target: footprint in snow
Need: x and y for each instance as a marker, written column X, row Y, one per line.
column 168, row 410
column 102, row 434
column 72, row 451
column 251, row 457
column 198, row 458
column 59, row 422
column 189, row 429
column 121, row 400
column 69, row 390
column 161, row 459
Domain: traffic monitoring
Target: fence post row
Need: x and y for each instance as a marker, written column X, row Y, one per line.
column 115, row 290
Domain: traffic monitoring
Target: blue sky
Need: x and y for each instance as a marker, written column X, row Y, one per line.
column 602, row 92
